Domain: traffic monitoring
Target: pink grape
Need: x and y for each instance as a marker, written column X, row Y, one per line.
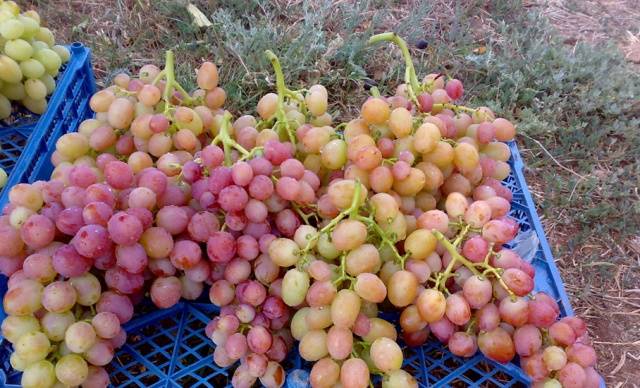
column 475, row 249
column 236, row 346
column 39, row 267
column 261, row 187
column 543, row 310
column 518, row 281
column 477, row 291
column 38, row 231
column 118, row 174
column 259, row 339
column 92, row 241
column 173, row 219
column 123, row 281
column 73, row 196
column 165, row 292
column 69, row 263
column 106, row 324
column 97, row 213
column 120, row 305
column 185, row 254
column 131, row 258
column 527, row 340
column 462, row 344
column 221, row 247
column 70, row 221
column 124, row 229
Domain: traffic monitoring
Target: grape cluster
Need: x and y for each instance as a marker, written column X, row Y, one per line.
column 29, row 60
column 307, row 234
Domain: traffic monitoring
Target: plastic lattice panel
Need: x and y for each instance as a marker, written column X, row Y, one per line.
column 27, row 148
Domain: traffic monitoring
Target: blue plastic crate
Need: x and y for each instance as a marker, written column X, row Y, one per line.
column 168, row 348
column 25, row 148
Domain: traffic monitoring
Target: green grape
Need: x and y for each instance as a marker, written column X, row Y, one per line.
column 18, row 49
column 53, row 72
column 72, row 370
column 38, row 45
column 35, row 89
column 39, row 375
column 30, row 25
column 3, row 177
column 11, row 6
column 11, row 29
column 32, row 346
column 49, row 59
column 5, row 111
column 35, row 106
column 32, row 68
column 62, row 52
column 32, row 15
column 5, row 15
column 13, row 91
column 45, row 35
column 17, row 362
column 9, row 70
column 49, row 82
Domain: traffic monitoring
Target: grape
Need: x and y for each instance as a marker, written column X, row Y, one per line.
column 386, row 354
column 354, row 372
column 577, row 324
column 402, row 288
column 24, row 298
column 274, row 376
column 39, row 267
column 321, row 293
column 339, row 342
column 221, row 247
column 295, row 286
column 13, row 327
column 364, row 258
column 370, row 288
column 477, row 291
column 118, row 304
column 514, row 311
column 96, row 378
column 534, row 367
column 431, row 305
column 457, row 310
column 554, row 358
column 572, row 375
column 581, row 354
column 462, row 344
column 166, row 291
column 259, row 339
column 72, row 370
column 543, row 310
column 106, row 324
column 562, row 334
column 527, row 340
column 80, row 337
column 59, row 297
column 497, row 345
column 345, row 308
column 39, row 374
column 100, row 354
column 32, row 346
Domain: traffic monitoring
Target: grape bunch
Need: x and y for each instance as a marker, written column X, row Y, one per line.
column 29, row 60
column 344, row 240
column 146, row 121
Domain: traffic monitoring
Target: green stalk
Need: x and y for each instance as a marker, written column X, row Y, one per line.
column 282, row 91
column 410, row 72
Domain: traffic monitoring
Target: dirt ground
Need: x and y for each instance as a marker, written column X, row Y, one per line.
column 611, row 307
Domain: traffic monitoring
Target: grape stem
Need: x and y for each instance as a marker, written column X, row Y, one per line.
column 455, row 257
column 343, row 272
column 170, row 77
column 454, row 107
column 410, row 77
column 227, row 142
column 355, row 204
column 281, row 118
